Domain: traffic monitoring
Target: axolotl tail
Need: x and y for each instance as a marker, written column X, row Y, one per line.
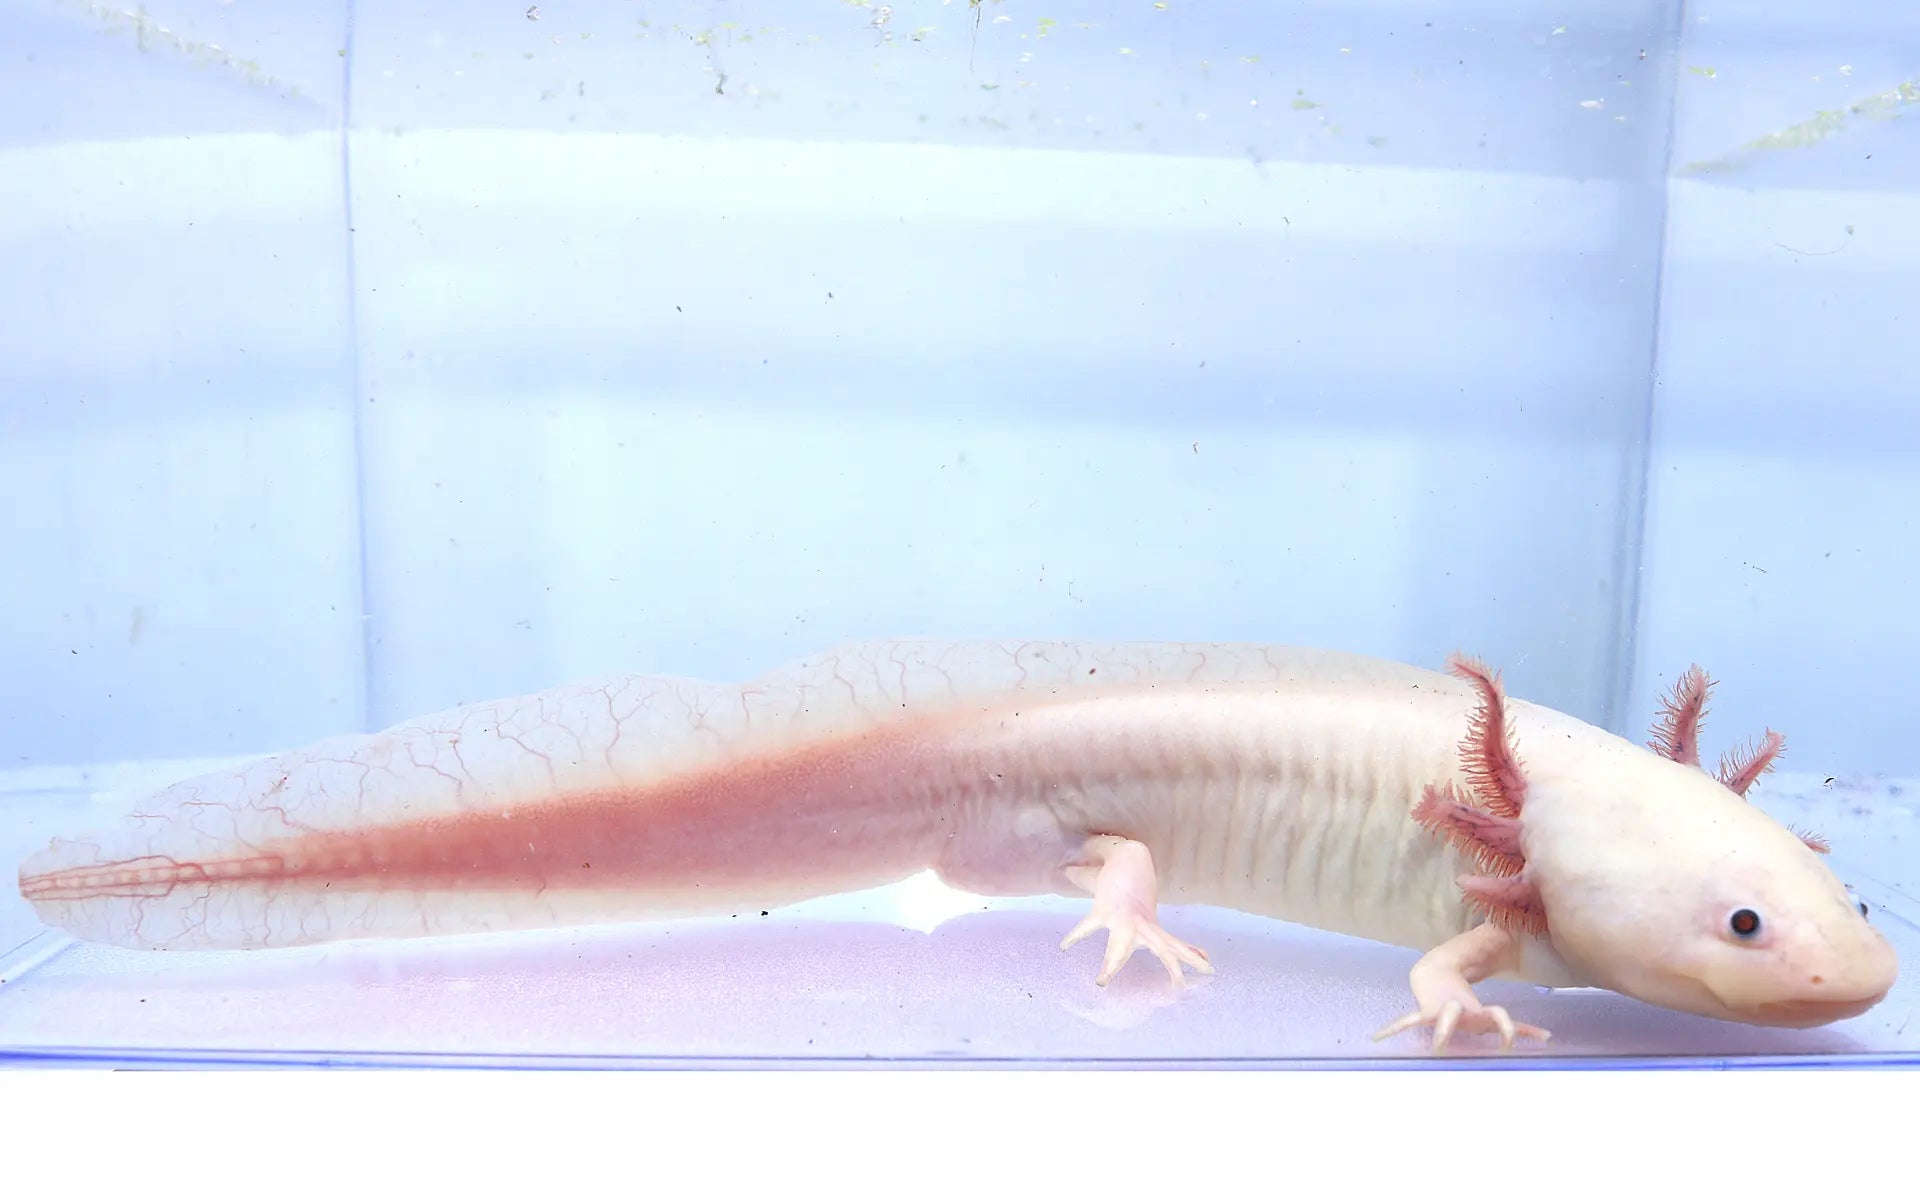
column 609, row 801
column 629, row 798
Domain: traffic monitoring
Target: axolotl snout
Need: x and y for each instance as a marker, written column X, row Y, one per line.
column 1379, row 800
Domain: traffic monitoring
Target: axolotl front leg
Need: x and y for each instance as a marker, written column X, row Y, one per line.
column 1482, row 822
column 1443, row 981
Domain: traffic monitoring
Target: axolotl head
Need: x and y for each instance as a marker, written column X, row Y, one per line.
column 1677, row 892
column 1651, row 877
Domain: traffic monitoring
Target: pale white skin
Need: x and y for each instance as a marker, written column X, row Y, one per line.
column 1276, row 781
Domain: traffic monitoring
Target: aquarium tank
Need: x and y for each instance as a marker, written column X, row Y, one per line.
column 364, row 361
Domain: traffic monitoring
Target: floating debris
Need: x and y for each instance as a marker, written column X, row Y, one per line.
column 1887, row 104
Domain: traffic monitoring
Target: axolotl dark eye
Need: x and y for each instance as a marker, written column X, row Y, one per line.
column 1859, row 903
column 1744, row 922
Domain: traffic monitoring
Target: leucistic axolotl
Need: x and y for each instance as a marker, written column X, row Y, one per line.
column 1361, row 796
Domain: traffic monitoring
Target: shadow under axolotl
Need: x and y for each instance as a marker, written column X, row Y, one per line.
column 993, row 986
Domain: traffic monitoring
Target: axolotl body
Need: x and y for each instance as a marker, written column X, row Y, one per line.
column 1362, row 796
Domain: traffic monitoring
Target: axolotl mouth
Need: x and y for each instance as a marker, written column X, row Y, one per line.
column 1816, row 1000
column 1805, row 1013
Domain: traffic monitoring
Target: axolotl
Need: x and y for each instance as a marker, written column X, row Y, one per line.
column 1420, row 808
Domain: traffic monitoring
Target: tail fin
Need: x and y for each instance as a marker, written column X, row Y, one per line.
column 633, row 797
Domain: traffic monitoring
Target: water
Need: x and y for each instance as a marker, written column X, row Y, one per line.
column 356, row 363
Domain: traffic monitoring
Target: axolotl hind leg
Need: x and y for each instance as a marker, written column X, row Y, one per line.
column 1118, row 873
